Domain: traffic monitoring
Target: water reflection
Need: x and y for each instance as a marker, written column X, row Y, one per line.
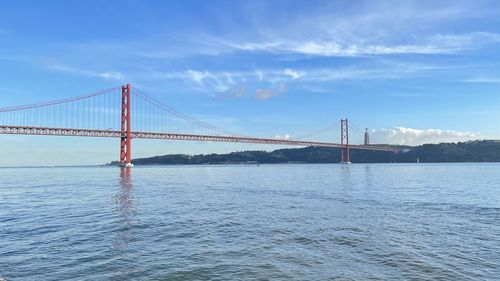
column 124, row 197
column 345, row 176
column 125, row 225
column 368, row 176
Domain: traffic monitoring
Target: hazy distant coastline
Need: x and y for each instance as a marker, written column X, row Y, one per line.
column 473, row 151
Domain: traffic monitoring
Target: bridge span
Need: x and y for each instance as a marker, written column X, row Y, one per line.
column 55, row 118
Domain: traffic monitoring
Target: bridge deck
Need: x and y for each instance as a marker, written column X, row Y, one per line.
column 45, row 131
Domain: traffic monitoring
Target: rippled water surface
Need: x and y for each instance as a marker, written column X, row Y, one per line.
column 268, row 222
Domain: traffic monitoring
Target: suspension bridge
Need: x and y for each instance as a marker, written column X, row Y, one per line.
column 126, row 113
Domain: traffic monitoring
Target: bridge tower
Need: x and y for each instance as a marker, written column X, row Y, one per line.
column 344, row 141
column 126, row 140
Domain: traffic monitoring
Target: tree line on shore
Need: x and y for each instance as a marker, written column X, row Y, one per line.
column 473, row 151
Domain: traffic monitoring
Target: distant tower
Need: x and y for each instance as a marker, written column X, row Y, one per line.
column 367, row 137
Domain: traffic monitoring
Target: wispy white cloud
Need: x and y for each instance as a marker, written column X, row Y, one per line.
column 218, row 82
column 434, row 44
column 266, row 83
column 260, row 75
column 294, row 74
column 367, row 28
column 333, row 48
column 409, row 136
column 112, row 75
column 373, row 28
column 315, row 89
column 383, row 69
column 199, row 76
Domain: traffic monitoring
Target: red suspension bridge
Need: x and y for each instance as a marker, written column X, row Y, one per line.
column 112, row 113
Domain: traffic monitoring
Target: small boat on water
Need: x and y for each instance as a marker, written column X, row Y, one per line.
column 346, row 162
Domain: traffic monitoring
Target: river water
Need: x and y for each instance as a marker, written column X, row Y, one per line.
column 249, row 222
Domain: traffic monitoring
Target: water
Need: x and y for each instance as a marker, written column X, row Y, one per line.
column 268, row 222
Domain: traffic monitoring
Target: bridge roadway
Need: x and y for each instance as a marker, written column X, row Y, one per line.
column 46, row 131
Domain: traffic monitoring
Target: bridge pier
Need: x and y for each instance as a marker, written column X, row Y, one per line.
column 126, row 140
column 344, row 142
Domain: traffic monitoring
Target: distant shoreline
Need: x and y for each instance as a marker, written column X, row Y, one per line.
column 225, row 164
column 487, row 151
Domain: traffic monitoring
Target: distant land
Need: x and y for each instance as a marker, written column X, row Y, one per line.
column 472, row 151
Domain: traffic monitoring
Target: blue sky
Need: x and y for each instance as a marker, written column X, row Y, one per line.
column 411, row 71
